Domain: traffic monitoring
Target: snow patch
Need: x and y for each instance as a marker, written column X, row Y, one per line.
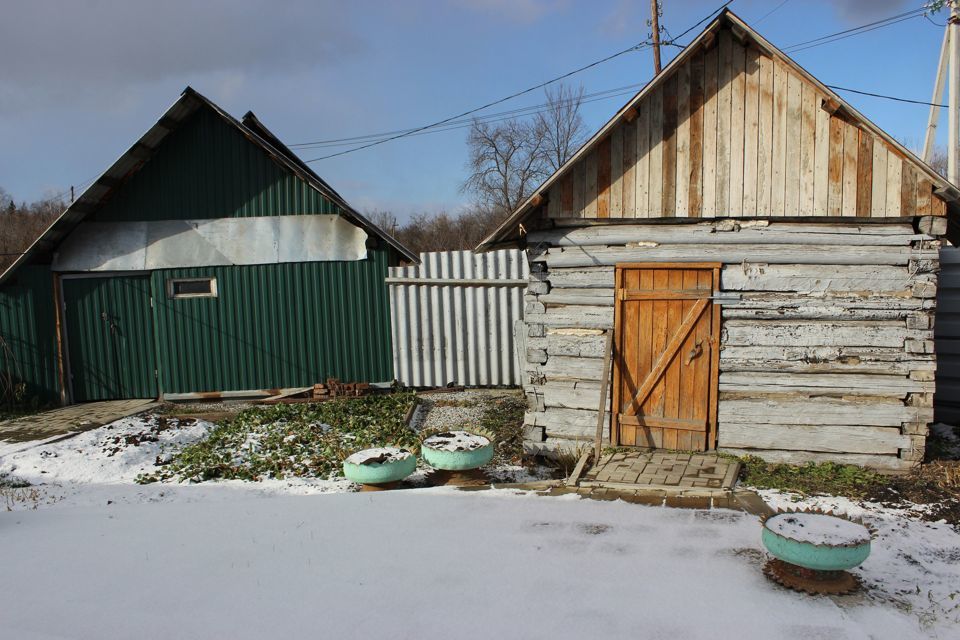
column 456, row 441
column 379, row 455
column 818, row 529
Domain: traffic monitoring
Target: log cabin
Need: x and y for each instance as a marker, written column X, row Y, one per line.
column 765, row 257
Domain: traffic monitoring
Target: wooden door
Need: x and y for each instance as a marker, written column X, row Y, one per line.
column 666, row 357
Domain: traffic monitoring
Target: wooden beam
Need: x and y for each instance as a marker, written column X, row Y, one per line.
column 829, row 105
column 604, row 384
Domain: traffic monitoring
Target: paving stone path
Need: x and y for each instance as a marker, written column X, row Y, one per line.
column 673, row 472
column 70, row 419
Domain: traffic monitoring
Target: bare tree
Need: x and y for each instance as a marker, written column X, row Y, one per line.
column 23, row 224
column 508, row 160
column 560, row 124
column 506, row 163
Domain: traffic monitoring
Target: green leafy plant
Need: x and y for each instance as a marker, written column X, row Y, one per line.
column 293, row 440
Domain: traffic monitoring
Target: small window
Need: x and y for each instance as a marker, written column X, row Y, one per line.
column 192, row 288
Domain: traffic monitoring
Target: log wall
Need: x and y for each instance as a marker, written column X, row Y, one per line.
column 828, row 353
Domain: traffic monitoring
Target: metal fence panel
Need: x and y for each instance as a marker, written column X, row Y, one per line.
column 453, row 318
column 947, row 337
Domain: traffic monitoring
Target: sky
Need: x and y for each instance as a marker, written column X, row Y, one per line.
column 82, row 80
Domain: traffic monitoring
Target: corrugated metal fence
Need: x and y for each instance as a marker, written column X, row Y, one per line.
column 453, row 318
column 947, row 335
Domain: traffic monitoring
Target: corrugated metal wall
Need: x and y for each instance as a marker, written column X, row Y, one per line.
column 453, row 318
column 207, row 169
column 279, row 325
column 947, row 336
column 28, row 352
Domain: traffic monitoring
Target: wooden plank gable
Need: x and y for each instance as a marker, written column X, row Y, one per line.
column 734, row 131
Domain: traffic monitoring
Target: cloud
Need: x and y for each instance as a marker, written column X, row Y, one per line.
column 54, row 51
column 516, row 11
column 856, row 11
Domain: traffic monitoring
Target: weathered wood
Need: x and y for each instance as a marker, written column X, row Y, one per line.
column 751, row 130
column 737, row 128
column 812, row 437
column 580, row 316
column 878, row 189
column 668, row 202
column 718, row 233
column 864, row 175
column 803, row 410
column 768, row 253
column 791, row 204
column 765, row 134
column 602, row 403
column 603, row 177
column 851, row 149
column 695, row 161
column 724, row 89
column 932, row 225
column 816, row 278
column 572, row 368
column 808, row 136
column 882, row 462
column 820, row 333
column 710, row 79
column 682, row 171
column 616, row 172
column 567, row 422
column 830, row 384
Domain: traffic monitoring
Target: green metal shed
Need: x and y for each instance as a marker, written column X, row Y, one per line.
column 207, row 259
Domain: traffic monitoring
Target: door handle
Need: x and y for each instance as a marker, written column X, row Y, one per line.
column 694, row 352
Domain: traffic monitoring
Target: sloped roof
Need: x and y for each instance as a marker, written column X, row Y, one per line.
column 508, row 232
column 100, row 191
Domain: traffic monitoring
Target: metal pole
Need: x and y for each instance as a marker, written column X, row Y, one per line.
column 655, row 26
column 953, row 151
column 931, row 136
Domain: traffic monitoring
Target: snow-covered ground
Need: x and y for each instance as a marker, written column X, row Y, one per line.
column 414, row 564
column 88, row 553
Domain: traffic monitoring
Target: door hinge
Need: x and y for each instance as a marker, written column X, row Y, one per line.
column 156, row 373
column 151, row 302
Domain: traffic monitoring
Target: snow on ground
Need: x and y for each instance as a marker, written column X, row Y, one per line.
column 117, row 452
column 411, row 564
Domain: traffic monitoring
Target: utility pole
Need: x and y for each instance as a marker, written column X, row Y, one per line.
column 655, row 25
column 953, row 128
column 931, row 136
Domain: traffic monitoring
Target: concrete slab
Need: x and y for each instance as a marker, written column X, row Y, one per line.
column 70, row 420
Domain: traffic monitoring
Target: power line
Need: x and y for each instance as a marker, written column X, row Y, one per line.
column 886, row 97
column 528, row 110
column 855, row 31
column 637, row 47
column 770, row 13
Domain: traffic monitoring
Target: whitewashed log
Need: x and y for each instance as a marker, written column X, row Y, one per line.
column 732, row 224
column 588, row 297
column 812, row 437
column 821, row 353
column 571, row 394
column 585, row 278
column 912, row 369
column 578, row 346
column 767, row 253
column 710, row 233
column 570, row 368
column 813, row 333
column 879, row 462
column 567, row 422
column 933, row 225
column 815, row 278
column 813, row 411
column 822, row 383
column 574, row 317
